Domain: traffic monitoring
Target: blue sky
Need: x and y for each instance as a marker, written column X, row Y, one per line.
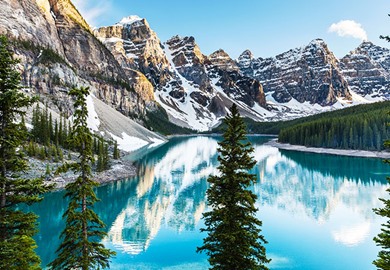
column 266, row 27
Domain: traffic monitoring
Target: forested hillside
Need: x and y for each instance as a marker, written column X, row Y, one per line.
column 359, row 127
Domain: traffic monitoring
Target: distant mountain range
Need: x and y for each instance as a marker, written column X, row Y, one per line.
column 196, row 89
column 130, row 69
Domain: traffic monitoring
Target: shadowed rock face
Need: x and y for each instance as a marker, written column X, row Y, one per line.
column 309, row 74
column 367, row 70
column 58, row 51
column 189, row 61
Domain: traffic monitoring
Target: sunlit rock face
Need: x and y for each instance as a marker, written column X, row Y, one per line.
column 58, row 51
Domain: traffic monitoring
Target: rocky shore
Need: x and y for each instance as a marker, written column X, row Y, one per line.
column 340, row 152
column 119, row 169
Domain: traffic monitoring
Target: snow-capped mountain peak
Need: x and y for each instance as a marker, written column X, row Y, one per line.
column 129, row 20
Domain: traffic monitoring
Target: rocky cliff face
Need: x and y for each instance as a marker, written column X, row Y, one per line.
column 136, row 46
column 309, row 73
column 193, row 88
column 58, row 51
column 221, row 60
column 367, row 70
column 128, row 67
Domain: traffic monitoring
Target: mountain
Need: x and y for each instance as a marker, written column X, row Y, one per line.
column 130, row 69
column 194, row 89
column 57, row 51
column 367, row 70
column 307, row 74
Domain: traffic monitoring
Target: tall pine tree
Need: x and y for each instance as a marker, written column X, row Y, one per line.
column 383, row 238
column 80, row 248
column 234, row 239
column 16, row 227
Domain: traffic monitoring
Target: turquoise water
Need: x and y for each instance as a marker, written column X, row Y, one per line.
column 316, row 209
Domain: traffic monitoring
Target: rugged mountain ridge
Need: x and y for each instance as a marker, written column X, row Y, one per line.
column 309, row 73
column 367, row 70
column 196, row 89
column 58, row 51
column 193, row 88
column 129, row 68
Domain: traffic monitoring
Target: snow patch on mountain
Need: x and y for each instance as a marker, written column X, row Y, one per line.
column 128, row 143
column 93, row 119
column 185, row 109
column 129, row 134
column 129, row 20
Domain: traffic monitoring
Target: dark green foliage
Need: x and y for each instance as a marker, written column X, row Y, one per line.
column 116, row 153
column 46, row 55
column 360, row 127
column 158, row 121
column 80, row 248
column 16, row 227
column 275, row 128
column 234, row 239
column 103, row 158
column 383, row 238
column 44, row 131
column 49, row 56
column 50, row 135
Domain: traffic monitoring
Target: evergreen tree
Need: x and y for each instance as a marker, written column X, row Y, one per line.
column 16, row 227
column 80, row 248
column 100, row 160
column 116, row 153
column 234, row 239
column 60, row 134
column 56, row 132
column 106, row 158
column 383, row 238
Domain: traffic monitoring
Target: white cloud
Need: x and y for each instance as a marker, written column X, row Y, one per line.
column 352, row 235
column 348, row 28
column 91, row 10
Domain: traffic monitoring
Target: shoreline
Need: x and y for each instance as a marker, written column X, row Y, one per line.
column 330, row 151
column 214, row 135
column 119, row 170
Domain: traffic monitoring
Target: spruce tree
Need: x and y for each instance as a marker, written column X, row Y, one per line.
column 16, row 227
column 100, row 160
column 383, row 238
column 116, row 153
column 80, row 248
column 234, row 239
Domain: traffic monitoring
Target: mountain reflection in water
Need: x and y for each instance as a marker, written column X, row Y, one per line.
column 331, row 195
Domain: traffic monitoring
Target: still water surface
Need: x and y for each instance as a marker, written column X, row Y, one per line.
column 316, row 209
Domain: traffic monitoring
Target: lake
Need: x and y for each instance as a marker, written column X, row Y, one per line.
column 316, row 209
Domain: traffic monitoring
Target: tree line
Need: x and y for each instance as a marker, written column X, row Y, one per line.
column 363, row 128
column 47, row 139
